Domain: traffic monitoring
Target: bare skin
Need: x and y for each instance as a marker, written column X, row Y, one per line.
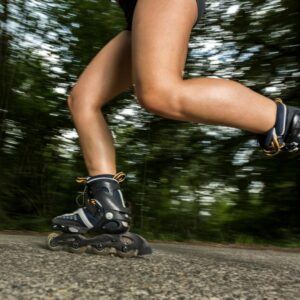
column 152, row 57
column 158, row 64
column 105, row 77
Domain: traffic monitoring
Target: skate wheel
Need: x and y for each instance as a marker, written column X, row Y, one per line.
column 127, row 240
column 131, row 253
column 103, row 251
column 52, row 243
column 76, row 249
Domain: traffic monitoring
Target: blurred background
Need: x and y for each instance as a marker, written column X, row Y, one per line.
column 185, row 181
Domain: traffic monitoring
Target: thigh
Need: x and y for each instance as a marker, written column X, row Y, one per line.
column 160, row 35
column 128, row 7
column 108, row 74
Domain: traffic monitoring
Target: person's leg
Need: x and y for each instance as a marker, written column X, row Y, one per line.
column 105, row 77
column 104, row 209
column 160, row 35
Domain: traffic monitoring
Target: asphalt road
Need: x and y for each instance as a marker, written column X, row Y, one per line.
column 29, row 271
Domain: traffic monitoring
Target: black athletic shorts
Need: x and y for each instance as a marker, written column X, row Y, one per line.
column 128, row 7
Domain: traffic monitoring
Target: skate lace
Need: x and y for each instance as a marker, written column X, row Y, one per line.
column 120, row 177
column 83, row 197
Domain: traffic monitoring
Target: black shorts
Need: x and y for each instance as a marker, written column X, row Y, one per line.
column 128, row 7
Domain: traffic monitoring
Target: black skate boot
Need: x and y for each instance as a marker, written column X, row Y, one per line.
column 285, row 135
column 104, row 212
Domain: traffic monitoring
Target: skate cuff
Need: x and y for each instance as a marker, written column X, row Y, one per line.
column 272, row 142
column 285, row 135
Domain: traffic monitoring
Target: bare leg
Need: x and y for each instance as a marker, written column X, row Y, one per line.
column 160, row 35
column 106, row 76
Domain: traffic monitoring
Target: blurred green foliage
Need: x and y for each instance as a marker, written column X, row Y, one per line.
column 185, row 181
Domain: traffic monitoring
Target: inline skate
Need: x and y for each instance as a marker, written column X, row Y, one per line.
column 103, row 211
column 285, row 135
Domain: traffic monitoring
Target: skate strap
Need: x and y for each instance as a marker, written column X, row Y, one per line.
column 273, row 141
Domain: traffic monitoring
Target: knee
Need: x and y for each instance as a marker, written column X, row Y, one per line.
column 75, row 100
column 80, row 101
column 70, row 101
column 160, row 98
column 73, row 105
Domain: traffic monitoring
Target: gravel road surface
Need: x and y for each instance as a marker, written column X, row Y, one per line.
column 175, row 271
